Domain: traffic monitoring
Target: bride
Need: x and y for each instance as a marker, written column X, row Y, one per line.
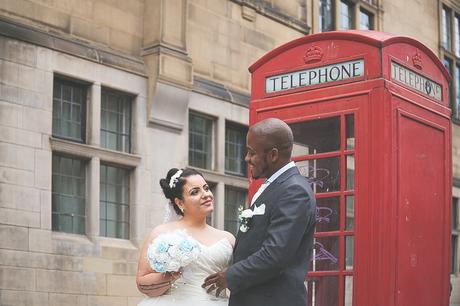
column 192, row 199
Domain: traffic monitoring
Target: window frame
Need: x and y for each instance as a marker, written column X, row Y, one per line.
column 239, row 128
column 85, row 192
column 455, row 264
column 131, row 99
column 211, row 137
column 449, row 53
column 75, row 83
column 371, row 8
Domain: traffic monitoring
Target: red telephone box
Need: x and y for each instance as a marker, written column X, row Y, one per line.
column 371, row 121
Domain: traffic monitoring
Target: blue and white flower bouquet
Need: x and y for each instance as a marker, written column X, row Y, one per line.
column 170, row 252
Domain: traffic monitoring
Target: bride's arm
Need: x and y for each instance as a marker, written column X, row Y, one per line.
column 148, row 281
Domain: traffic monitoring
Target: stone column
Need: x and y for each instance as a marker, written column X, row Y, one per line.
column 94, row 115
column 92, row 201
column 169, row 68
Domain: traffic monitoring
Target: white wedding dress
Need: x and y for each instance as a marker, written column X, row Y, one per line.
column 187, row 290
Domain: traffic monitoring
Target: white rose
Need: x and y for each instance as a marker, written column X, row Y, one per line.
column 173, row 266
column 162, row 257
column 174, row 251
column 244, row 228
column 247, row 213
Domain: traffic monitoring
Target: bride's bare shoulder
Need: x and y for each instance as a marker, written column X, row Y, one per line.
column 227, row 235
column 163, row 228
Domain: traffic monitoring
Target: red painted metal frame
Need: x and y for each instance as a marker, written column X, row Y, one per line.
column 377, row 103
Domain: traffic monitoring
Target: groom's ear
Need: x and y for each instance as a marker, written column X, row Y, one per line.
column 274, row 155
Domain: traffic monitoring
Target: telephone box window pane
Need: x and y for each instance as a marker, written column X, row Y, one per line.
column 346, row 13
column 316, row 136
column 350, row 213
column 349, row 252
column 326, row 254
column 446, row 28
column 323, row 291
column 348, row 290
column 350, row 178
column 350, row 131
column 323, row 174
column 327, row 214
column 326, row 15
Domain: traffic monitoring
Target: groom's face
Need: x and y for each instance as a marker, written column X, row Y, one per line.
column 256, row 156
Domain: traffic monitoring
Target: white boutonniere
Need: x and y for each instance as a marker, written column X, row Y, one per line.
column 245, row 216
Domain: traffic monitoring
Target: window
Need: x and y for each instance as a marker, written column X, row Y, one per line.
column 114, row 202
column 455, row 234
column 235, row 148
column 450, row 49
column 326, row 15
column 234, row 198
column 346, row 15
column 366, row 21
column 348, row 18
column 69, row 110
column 68, row 195
column 200, row 141
column 116, row 121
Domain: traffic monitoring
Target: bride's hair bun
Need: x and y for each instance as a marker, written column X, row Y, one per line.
column 173, row 185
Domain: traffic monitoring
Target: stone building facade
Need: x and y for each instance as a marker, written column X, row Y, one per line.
column 99, row 98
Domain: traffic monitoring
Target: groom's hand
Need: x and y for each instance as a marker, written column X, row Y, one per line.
column 216, row 281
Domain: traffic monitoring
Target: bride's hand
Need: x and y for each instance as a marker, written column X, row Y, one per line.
column 173, row 276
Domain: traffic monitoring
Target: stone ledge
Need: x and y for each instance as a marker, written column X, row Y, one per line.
column 217, row 90
column 88, row 152
column 265, row 9
column 71, row 46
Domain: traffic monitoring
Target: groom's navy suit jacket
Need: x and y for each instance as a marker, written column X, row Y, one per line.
column 271, row 259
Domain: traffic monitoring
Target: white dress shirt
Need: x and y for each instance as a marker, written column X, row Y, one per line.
column 271, row 179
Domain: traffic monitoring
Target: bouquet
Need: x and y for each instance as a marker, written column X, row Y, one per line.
column 172, row 251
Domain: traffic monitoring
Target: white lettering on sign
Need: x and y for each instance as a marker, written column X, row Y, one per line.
column 416, row 81
column 314, row 76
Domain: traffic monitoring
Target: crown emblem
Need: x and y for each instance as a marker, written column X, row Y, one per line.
column 313, row 54
column 417, row 60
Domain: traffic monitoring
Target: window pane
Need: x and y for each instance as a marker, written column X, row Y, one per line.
column 235, row 147
column 350, row 177
column 456, row 100
column 326, row 137
column 114, row 202
column 350, row 212
column 350, row 132
column 448, row 64
column 349, row 252
column 327, row 214
column 323, row 174
column 234, row 198
column 68, row 195
column 323, row 291
column 457, row 35
column 455, row 212
column 326, row 254
column 346, row 14
column 348, row 290
column 116, row 121
column 326, row 15
column 69, row 101
column 200, row 141
column 446, row 29
column 366, row 20
column 454, row 255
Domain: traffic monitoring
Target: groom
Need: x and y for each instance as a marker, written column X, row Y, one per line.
column 271, row 255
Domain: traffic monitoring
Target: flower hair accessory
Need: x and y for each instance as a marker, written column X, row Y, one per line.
column 175, row 178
